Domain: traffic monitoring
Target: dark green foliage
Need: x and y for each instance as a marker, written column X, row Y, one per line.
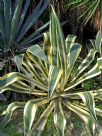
column 15, row 23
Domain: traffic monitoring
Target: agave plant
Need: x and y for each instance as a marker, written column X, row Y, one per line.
column 15, row 24
column 52, row 73
column 90, row 7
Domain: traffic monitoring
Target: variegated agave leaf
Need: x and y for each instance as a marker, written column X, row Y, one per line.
column 97, row 43
column 47, row 73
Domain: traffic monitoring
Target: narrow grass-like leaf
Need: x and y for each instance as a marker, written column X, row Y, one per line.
column 2, row 31
column 7, row 18
column 89, row 6
column 32, row 18
column 35, row 35
column 14, row 22
column 26, row 5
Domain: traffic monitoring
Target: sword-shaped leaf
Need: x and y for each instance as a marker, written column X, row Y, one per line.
column 72, row 56
column 69, row 41
column 14, row 22
column 53, row 40
column 98, row 111
column 88, row 100
column 39, row 64
column 59, row 118
column 57, row 40
column 98, row 95
column 26, row 5
column 53, row 79
column 29, row 113
column 98, row 43
column 32, row 18
column 40, row 124
column 47, row 49
column 7, row 18
column 2, row 31
column 35, row 35
column 29, row 66
column 38, row 52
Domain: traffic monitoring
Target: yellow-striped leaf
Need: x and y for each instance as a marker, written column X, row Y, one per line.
column 72, row 56
column 54, row 77
column 87, row 61
column 59, row 118
column 38, row 52
column 40, row 124
column 95, row 71
column 69, row 41
column 8, row 113
column 84, row 115
column 29, row 113
column 88, row 100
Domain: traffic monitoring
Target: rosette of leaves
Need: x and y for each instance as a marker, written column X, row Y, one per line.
column 15, row 25
column 48, row 72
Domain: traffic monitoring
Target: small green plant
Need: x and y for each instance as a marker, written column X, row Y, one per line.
column 90, row 7
column 46, row 74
